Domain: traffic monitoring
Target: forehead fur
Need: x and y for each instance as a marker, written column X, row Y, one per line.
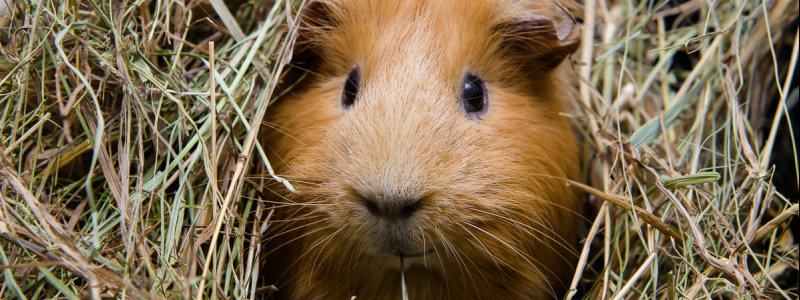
column 373, row 33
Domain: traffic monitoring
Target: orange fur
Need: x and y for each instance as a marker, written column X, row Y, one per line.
column 496, row 210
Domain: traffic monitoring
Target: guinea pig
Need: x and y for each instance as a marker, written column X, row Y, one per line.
column 426, row 140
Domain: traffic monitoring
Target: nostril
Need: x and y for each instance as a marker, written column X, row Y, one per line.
column 372, row 207
column 411, row 208
column 391, row 209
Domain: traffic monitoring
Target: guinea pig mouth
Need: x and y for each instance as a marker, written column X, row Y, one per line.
column 411, row 254
column 400, row 248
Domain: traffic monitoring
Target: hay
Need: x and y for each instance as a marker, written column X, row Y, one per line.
column 126, row 168
column 680, row 163
column 121, row 156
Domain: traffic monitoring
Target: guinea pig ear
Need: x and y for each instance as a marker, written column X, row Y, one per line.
column 544, row 40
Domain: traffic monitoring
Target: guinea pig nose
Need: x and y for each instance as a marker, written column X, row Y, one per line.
column 392, row 208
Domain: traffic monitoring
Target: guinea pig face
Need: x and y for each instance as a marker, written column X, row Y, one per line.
column 428, row 130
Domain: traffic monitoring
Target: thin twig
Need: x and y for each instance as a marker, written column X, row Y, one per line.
column 623, row 203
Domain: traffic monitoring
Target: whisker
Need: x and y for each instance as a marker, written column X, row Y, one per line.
column 327, row 240
column 305, row 234
column 462, row 264
column 524, row 257
column 575, row 213
column 560, row 242
column 299, row 258
column 284, row 130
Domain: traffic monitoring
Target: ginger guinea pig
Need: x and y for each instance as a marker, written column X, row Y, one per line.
column 427, row 130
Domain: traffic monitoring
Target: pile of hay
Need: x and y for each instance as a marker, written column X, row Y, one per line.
column 681, row 117
column 128, row 170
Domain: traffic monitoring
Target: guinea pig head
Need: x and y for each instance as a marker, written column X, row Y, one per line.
column 428, row 130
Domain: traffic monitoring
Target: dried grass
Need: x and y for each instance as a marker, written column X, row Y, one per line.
column 673, row 116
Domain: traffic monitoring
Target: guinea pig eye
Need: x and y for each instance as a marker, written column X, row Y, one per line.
column 473, row 96
column 351, row 88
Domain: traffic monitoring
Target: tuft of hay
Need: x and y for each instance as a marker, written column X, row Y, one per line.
column 128, row 170
column 124, row 159
column 674, row 113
